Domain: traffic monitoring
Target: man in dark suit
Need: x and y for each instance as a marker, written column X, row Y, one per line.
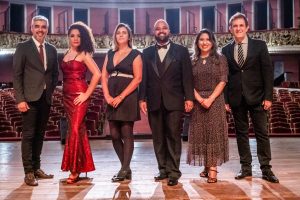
column 35, row 69
column 165, row 92
column 249, row 89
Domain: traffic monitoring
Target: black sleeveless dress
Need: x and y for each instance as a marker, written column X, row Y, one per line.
column 128, row 109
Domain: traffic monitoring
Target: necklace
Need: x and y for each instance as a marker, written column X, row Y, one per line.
column 203, row 59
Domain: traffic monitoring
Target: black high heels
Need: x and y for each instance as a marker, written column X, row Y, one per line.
column 122, row 175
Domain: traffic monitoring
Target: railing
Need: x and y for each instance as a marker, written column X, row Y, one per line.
column 273, row 38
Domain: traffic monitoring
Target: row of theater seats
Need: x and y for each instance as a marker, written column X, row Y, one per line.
column 290, row 84
column 283, row 117
column 11, row 119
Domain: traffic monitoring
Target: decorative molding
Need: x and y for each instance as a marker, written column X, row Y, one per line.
column 285, row 40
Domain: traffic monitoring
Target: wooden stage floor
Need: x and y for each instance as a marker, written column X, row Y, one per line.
column 286, row 162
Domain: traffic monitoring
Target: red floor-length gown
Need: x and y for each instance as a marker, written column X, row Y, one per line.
column 77, row 154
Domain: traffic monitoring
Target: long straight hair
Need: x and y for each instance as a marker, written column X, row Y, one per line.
column 116, row 45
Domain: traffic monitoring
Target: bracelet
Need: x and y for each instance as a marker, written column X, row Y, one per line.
column 120, row 97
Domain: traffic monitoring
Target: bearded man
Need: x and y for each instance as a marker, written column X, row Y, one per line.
column 165, row 92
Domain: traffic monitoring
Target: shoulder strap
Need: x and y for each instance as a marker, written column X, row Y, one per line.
column 76, row 56
column 66, row 52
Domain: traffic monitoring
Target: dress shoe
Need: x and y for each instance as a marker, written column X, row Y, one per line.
column 172, row 181
column 122, row 175
column 160, row 177
column 30, row 179
column 269, row 176
column 185, row 138
column 72, row 180
column 42, row 175
column 211, row 178
column 242, row 174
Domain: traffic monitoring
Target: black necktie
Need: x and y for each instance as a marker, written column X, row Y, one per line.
column 240, row 55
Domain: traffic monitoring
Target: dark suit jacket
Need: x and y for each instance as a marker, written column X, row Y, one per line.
column 254, row 80
column 30, row 75
column 176, row 83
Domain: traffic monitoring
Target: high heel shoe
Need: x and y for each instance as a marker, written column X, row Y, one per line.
column 211, row 179
column 204, row 173
column 73, row 180
column 122, row 175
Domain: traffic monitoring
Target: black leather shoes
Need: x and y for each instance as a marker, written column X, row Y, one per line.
column 160, row 177
column 243, row 173
column 172, row 182
column 30, row 179
column 42, row 175
column 268, row 175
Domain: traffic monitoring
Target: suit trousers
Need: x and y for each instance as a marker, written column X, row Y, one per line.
column 166, row 129
column 34, row 125
column 259, row 119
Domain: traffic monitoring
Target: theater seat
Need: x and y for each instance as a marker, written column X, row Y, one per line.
column 6, row 128
column 278, row 119
column 5, row 123
column 231, row 131
column 52, row 133
column 280, row 131
column 91, row 126
column 279, row 124
column 297, row 131
column 8, row 134
column 93, row 116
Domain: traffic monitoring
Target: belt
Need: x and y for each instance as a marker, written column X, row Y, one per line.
column 116, row 73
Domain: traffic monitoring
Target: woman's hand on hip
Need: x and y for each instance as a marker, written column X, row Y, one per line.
column 82, row 97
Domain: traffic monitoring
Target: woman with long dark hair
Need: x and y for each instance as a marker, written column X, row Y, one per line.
column 78, row 59
column 208, row 137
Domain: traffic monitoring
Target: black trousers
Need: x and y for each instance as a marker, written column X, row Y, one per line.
column 34, row 125
column 259, row 119
column 166, row 129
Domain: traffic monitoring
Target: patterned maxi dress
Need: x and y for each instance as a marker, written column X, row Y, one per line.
column 208, row 136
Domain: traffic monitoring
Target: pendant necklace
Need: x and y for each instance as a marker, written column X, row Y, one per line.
column 204, row 59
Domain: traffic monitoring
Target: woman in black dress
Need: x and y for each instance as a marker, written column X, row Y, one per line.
column 122, row 74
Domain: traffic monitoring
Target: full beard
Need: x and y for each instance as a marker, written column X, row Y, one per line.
column 162, row 39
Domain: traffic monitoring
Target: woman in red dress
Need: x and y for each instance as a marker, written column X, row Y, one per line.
column 77, row 156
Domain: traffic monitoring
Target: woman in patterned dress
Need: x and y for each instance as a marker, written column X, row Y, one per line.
column 208, row 136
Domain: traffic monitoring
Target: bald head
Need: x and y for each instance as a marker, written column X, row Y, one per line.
column 161, row 21
column 161, row 31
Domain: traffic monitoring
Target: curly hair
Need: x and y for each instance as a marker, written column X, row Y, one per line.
column 214, row 48
column 130, row 36
column 87, row 41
